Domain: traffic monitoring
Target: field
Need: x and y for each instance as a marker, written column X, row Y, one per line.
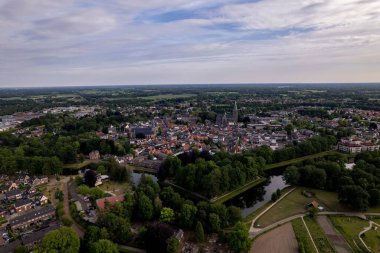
column 78, row 166
column 295, row 203
column 252, row 215
column 281, row 239
column 350, row 229
column 335, row 238
column 319, row 237
column 115, row 187
column 302, row 236
column 372, row 239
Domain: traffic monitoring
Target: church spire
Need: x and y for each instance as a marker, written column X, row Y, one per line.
column 235, row 115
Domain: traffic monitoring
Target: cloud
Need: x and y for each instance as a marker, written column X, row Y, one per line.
column 156, row 41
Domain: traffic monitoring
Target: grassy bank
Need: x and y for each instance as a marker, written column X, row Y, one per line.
column 295, row 203
column 236, row 192
column 298, row 160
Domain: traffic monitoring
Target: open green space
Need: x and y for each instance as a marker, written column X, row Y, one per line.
column 319, row 237
column 236, row 192
column 372, row 239
column 303, row 238
column 116, row 187
column 251, row 216
column 298, row 160
column 350, row 227
column 78, row 166
column 295, row 203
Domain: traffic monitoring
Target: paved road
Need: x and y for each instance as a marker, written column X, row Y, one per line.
column 66, row 208
column 340, row 244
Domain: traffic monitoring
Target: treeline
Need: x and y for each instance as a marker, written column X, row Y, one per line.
column 15, row 162
column 315, row 112
column 68, row 149
column 359, row 188
column 297, row 149
column 65, row 124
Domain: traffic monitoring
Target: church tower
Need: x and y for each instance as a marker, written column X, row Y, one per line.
column 235, row 115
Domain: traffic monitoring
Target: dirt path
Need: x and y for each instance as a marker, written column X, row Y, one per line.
column 338, row 241
column 66, row 208
column 278, row 240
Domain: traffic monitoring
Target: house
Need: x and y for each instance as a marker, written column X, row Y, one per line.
column 30, row 240
column 101, row 203
column 3, row 212
column 43, row 200
column 94, row 155
column 32, row 217
column 314, row 204
column 23, row 205
column 142, row 132
column 13, row 194
column 13, row 186
column 38, row 181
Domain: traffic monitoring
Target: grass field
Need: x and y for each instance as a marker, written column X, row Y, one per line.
column 350, row 228
column 372, row 239
column 297, row 160
column 319, row 237
column 78, row 166
column 302, row 236
column 295, row 203
column 116, row 187
column 251, row 216
column 236, row 192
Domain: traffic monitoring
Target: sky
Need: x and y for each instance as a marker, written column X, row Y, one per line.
column 117, row 42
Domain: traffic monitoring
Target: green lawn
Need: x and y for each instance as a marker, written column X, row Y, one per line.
column 350, row 228
column 78, row 166
column 372, row 239
column 116, row 187
column 319, row 237
column 302, row 236
column 297, row 160
column 251, row 216
column 295, row 203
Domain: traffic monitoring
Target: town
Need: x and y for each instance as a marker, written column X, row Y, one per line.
column 189, row 172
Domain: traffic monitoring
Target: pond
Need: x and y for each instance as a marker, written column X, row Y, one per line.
column 256, row 197
column 136, row 176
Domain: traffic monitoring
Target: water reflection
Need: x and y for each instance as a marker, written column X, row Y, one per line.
column 256, row 197
column 136, row 176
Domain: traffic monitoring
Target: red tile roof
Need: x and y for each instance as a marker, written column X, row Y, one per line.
column 101, row 203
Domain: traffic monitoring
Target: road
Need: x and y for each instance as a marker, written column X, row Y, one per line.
column 78, row 230
column 371, row 223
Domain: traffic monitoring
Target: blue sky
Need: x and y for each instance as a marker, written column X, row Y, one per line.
column 94, row 42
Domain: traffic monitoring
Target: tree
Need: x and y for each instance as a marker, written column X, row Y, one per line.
column 187, row 215
column 234, row 215
column 145, row 207
column 21, row 249
column 374, row 197
column 167, row 215
column 63, row 240
column 238, row 239
column 172, row 245
column 291, row 175
column 103, row 246
column 354, row 195
column 274, row 197
column 90, row 178
column 101, row 169
column 199, row 233
column 215, row 222
column 156, row 237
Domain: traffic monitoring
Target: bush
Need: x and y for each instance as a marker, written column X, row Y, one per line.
column 66, row 221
